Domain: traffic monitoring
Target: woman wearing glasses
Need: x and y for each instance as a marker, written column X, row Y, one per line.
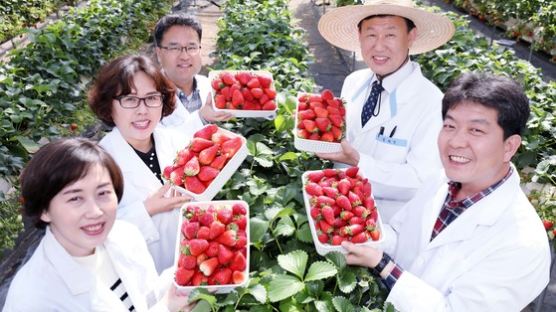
column 132, row 95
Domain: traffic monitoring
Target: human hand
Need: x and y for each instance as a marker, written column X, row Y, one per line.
column 348, row 155
column 362, row 255
column 208, row 113
column 178, row 301
column 164, row 199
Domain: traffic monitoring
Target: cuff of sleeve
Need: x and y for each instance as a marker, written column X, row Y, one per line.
column 393, row 277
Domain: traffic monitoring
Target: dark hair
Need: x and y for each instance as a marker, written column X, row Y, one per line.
column 116, row 78
column 497, row 92
column 409, row 23
column 175, row 19
column 58, row 164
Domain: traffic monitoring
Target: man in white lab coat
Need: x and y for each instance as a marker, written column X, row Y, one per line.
column 178, row 50
column 469, row 240
column 393, row 111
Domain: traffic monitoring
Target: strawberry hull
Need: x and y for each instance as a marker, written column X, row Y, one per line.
column 223, row 176
column 256, row 96
column 218, row 261
column 322, row 231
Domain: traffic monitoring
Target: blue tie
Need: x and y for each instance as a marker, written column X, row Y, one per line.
column 370, row 104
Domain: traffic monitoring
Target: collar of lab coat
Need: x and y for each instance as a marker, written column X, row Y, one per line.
column 483, row 213
column 392, row 81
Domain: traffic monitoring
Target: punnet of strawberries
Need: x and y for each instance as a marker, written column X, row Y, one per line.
column 197, row 165
column 342, row 208
column 213, row 245
column 320, row 117
column 244, row 90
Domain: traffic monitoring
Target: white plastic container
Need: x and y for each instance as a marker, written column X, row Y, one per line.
column 313, row 146
column 219, row 289
column 323, row 249
column 242, row 113
column 224, row 175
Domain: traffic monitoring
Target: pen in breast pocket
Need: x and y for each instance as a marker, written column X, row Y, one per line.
column 393, row 131
column 381, row 132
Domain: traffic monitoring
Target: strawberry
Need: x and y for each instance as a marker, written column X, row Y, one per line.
column 184, row 156
column 265, row 81
column 313, row 189
column 217, row 84
column 243, row 77
column 310, row 125
column 352, row 172
column 321, row 112
column 225, row 255
column 207, row 173
column 219, row 138
column 222, row 276
column 187, row 262
column 192, row 167
column 315, row 176
column 227, row 78
column 361, row 212
column 547, row 224
column 336, row 240
column 206, row 132
column 323, row 237
column 230, row 147
column 333, row 111
column 197, row 246
column 360, row 238
column 257, row 92
column 323, row 124
column 306, row 114
column 314, row 98
column 224, row 215
column 203, row 233
column 199, row 279
column 369, row 202
column 238, row 277
column 167, row 171
column 241, row 222
column 208, row 266
column 183, row 276
column 270, row 105
column 190, row 229
column 328, row 214
column 199, row 144
column 343, row 202
column 302, row 133
column 351, row 230
column 237, row 99
column 207, row 155
column 239, row 209
column 194, row 185
column 314, row 136
column 207, row 219
column 375, row 234
column 327, row 94
column 176, row 177
column 346, row 215
column 344, row 186
column 336, row 120
column 315, row 213
column 241, row 241
column 238, row 262
column 253, row 83
column 270, row 93
column 216, row 228
column 220, row 101
column 356, row 220
column 228, row 238
column 324, row 200
column 219, row 162
column 325, row 227
column 247, row 95
column 327, row 137
column 213, row 249
column 354, row 199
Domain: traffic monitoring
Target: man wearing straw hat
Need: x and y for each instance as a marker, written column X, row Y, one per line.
column 393, row 111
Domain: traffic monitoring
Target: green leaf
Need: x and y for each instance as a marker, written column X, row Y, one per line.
column 303, row 234
column 294, row 262
column 285, row 227
column 261, row 308
column 202, row 306
column 259, row 292
column 29, row 145
column 288, row 156
column 346, row 281
column 283, row 286
column 279, row 123
column 257, row 228
column 265, row 161
column 322, row 306
column 341, row 304
column 202, row 294
column 337, row 258
column 319, row 270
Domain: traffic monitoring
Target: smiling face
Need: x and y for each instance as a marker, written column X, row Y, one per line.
column 137, row 124
column 472, row 147
column 180, row 67
column 82, row 214
column 385, row 43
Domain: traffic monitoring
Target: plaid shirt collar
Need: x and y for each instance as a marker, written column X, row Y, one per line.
column 453, row 209
column 193, row 102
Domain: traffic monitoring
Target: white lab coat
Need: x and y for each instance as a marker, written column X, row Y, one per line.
column 53, row 281
column 181, row 119
column 395, row 166
column 159, row 230
column 493, row 257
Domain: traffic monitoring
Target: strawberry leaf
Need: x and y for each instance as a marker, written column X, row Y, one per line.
column 283, row 286
column 320, row 270
column 294, row 262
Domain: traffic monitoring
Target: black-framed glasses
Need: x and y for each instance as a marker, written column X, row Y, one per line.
column 190, row 50
column 132, row 101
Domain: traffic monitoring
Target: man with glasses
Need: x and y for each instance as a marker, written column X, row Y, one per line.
column 178, row 45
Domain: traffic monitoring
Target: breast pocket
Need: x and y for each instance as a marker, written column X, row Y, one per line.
column 391, row 149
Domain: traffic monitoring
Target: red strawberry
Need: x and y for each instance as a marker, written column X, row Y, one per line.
column 219, row 162
column 199, row 279
column 253, row 83
column 333, row 111
column 306, row 114
column 203, row 233
column 328, row 214
column 321, row 112
column 327, row 94
column 216, row 228
column 344, row 186
column 313, row 189
column 360, row 238
column 228, row 238
column 346, row 215
column 184, row 156
column 197, row 246
column 237, row 99
column 315, row 212
column 314, row 98
column 219, row 138
column 220, row 101
column 207, row 155
column 207, row 173
column 325, row 200
column 239, row 209
column 187, row 262
column 270, row 105
column 352, row 172
column 356, row 220
column 265, row 81
column 354, row 199
column 257, row 92
column 327, row 137
column 243, row 77
column 238, row 262
column 315, row 176
column 270, row 93
column 547, row 224
column 225, row 255
column 208, row 266
column 337, row 133
column 207, row 219
column 212, row 250
column 228, row 78
column 361, row 212
column 329, row 173
column 238, row 277
column 192, row 167
column 206, row 132
column 224, row 215
column 241, row 222
column 336, row 120
column 323, row 237
column 325, row 227
column 190, row 229
column 314, row 136
column 375, row 234
column 176, row 177
column 302, row 133
column 323, row 124
column 199, row 144
column 351, row 230
column 183, row 276
column 343, row 202
column 369, row 203
column 167, row 171
column 193, row 184
column 241, row 241
column 217, row 84
column 336, row 240
column 230, row 147
column 222, row 276
column 310, row 125
column 247, row 96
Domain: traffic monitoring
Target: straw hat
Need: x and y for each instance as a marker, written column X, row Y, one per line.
column 339, row 26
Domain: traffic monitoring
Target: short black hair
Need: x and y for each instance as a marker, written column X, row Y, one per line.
column 58, row 164
column 409, row 23
column 497, row 92
column 175, row 19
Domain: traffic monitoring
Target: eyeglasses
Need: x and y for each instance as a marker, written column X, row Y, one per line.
column 191, row 50
column 132, row 101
